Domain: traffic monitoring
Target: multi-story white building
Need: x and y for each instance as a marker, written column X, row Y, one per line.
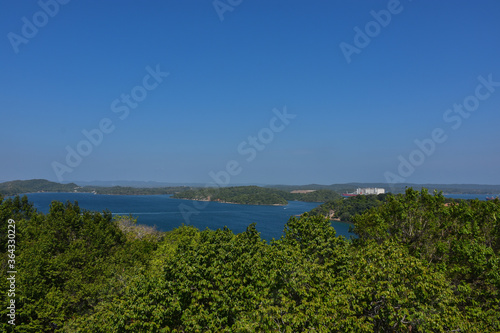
column 370, row 190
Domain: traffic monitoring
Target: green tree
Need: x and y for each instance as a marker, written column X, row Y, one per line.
column 460, row 239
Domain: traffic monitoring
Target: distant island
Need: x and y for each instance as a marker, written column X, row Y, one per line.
column 41, row 185
column 255, row 195
column 246, row 195
column 251, row 195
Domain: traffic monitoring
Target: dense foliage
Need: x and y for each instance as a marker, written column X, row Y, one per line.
column 418, row 266
column 254, row 195
column 460, row 239
column 246, row 195
column 344, row 209
column 126, row 190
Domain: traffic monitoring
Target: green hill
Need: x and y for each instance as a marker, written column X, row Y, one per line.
column 246, row 195
column 41, row 185
column 34, row 185
column 255, row 195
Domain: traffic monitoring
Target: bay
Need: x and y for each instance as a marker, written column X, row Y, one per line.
column 469, row 196
column 167, row 213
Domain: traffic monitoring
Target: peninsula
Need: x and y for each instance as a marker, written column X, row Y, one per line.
column 255, row 195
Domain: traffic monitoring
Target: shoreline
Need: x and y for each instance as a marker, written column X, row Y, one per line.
column 205, row 200
column 233, row 203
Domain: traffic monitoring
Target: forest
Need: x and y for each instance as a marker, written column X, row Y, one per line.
column 17, row 187
column 345, row 209
column 254, row 195
column 418, row 265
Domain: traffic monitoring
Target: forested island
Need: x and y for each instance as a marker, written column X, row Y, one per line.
column 418, row 265
column 41, row 185
column 247, row 195
column 254, row 195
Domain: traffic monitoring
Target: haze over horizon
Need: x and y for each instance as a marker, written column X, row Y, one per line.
column 287, row 92
column 152, row 183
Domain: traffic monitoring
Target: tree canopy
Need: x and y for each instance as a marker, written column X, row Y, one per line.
column 418, row 265
column 344, row 209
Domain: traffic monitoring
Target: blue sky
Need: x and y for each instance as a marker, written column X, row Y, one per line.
column 354, row 120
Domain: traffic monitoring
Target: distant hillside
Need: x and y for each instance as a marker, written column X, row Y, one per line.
column 398, row 188
column 136, row 184
column 255, row 195
column 245, row 195
column 126, row 190
column 41, row 185
column 34, row 185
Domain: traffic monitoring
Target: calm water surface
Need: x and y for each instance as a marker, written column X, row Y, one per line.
column 166, row 213
column 470, row 196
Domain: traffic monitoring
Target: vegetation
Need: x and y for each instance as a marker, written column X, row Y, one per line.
column 418, row 266
column 125, row 190
column 322, row 193
column 254, row 195
column 344, row 209
column 40, row 185
column 68, row 261
column 246, row 195
column 399, row 187
column 460, row 240
column 35, row 185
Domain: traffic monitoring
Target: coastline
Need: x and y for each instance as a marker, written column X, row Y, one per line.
column 144, row 194
column 232, row 203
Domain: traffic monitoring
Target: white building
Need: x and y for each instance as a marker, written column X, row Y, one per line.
column 370, row 190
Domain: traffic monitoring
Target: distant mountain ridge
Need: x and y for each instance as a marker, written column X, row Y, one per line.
column 34, row 185
column 134, row 183
column 148, row 184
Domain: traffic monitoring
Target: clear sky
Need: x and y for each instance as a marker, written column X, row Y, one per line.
column 352, row 84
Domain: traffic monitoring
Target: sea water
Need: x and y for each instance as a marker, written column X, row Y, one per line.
column 167, row 213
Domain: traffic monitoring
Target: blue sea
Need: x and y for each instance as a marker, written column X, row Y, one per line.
column 469, row 196
column 167, row 213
